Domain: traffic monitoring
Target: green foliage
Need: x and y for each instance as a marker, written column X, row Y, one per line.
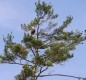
column 30, row 42
column 48, row 63
column 39, row 60
column 48, row 46
column 58, row 52
column 20, row 50
column 43, row 9
column 7, row 58
column 27, row 71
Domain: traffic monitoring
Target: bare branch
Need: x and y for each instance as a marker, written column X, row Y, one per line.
column 79, row 78
column 15, row 63
column 23, row 58
column 41, row 71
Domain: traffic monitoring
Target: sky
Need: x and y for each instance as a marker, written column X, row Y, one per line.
column 13, row 13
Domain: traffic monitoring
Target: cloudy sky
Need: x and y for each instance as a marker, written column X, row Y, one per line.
column 16, row 12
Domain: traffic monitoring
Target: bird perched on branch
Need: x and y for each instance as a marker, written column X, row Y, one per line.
column 32, row 31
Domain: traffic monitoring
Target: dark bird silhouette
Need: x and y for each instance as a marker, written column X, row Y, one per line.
column 32, row 31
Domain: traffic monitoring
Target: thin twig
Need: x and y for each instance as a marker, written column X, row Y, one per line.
column 13, row 63
column 33, row 52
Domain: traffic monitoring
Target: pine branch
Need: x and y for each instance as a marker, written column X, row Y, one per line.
column 41, row 71
column 24, row 58
column 13, row 63
column 79, row 78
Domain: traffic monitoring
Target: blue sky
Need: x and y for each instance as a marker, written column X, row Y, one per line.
column 16, row 12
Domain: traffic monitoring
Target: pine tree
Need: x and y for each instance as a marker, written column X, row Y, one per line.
column 49, row 45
